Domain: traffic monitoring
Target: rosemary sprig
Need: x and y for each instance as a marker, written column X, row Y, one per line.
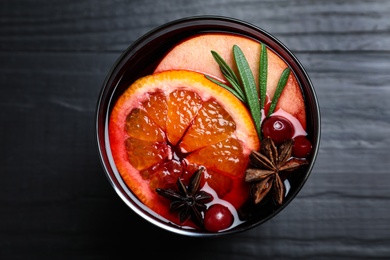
column 279, row 89
column 226, row 70
column 244, row 86
column 249, row 85
column 263, row 72
column 233, row 91
column 230, row 76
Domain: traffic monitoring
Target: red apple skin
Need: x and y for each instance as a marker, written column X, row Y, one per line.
column 195, row 54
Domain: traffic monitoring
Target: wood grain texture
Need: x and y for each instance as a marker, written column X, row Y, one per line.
column 55, row 201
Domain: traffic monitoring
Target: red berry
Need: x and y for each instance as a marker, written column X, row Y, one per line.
column 217, row 217
column 301, row 147
column 278, row 128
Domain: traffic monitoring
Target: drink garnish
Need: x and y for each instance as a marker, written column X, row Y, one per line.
column 230, row 76
column 249, row 86
column 271, row 159
column 244, row 86
column 279, row 89
column 268, row 164
column 263, row 73
column 188, row 201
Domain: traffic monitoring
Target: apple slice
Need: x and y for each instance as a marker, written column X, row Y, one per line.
column 195, row 54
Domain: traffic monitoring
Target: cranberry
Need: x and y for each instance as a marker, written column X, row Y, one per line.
column 217, row 217
column 278, row 128
column 301, row 147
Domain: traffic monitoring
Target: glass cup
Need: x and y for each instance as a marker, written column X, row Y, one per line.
column 141, row 58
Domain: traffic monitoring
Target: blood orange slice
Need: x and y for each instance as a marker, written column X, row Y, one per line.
column 166, row 125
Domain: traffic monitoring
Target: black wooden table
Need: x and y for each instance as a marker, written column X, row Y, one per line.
column 55, row 200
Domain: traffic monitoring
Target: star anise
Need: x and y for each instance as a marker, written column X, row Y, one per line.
column 269, row 163
column 188, row 201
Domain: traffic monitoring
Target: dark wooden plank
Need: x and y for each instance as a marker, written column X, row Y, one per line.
column 111, row 26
